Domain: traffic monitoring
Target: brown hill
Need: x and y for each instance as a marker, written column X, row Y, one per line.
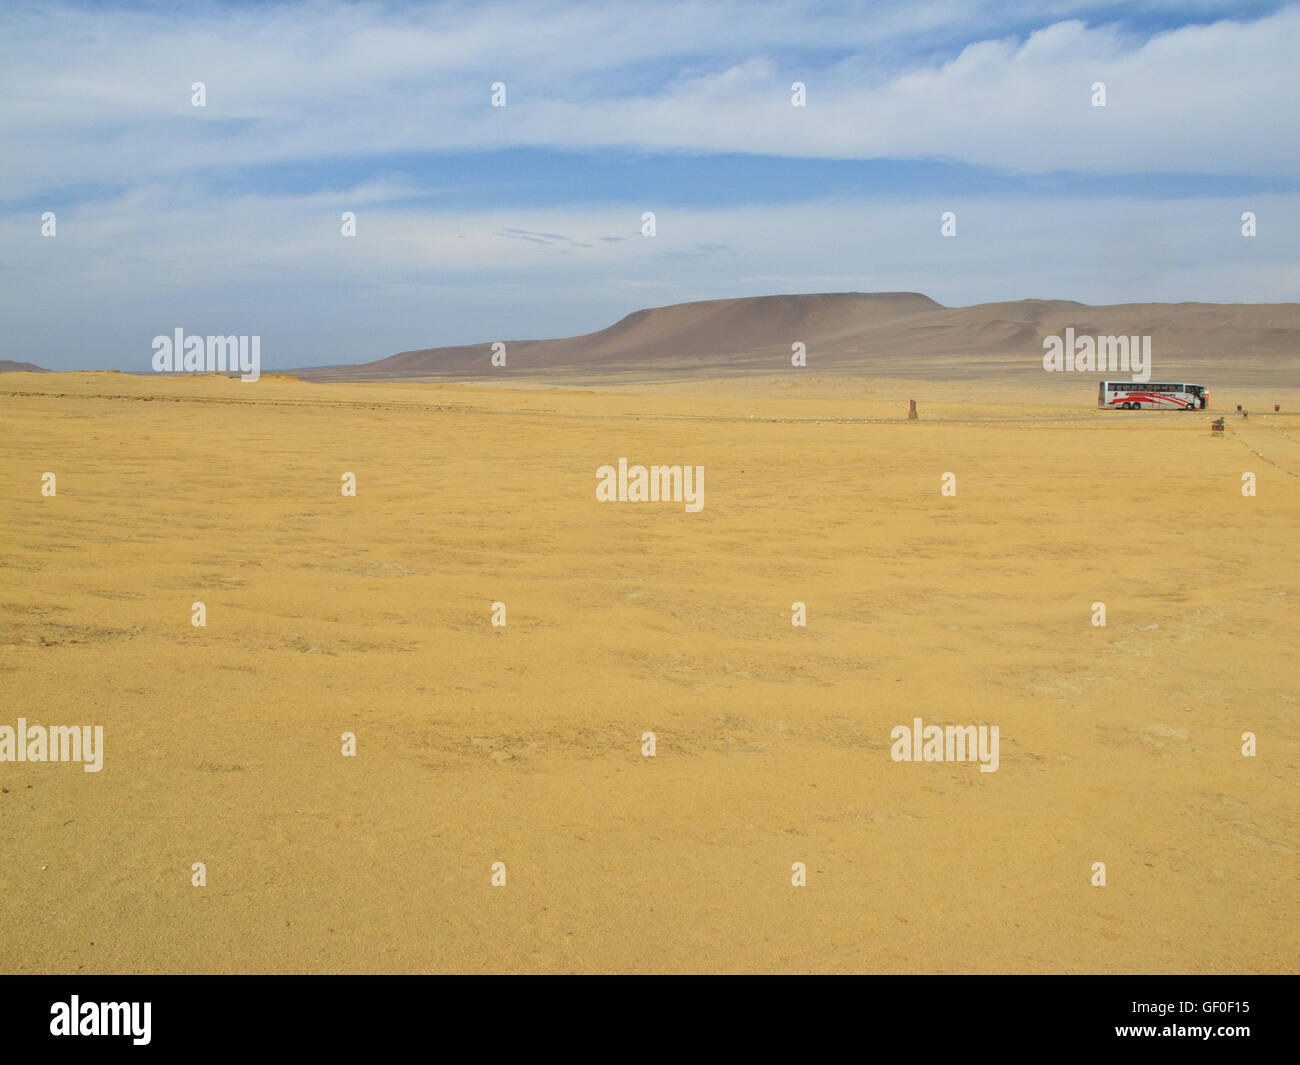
column 896, row 334
column 8, row 366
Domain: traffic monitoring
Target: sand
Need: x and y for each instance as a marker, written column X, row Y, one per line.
column 522, row 745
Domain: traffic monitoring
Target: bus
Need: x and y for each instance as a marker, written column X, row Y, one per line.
column 1151, row 395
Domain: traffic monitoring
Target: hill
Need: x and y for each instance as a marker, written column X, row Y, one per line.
column 895, row 334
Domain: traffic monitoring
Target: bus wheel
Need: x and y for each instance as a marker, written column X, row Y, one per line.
column 1125, row 406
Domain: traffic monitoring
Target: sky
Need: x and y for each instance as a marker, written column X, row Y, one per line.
column 476, row 222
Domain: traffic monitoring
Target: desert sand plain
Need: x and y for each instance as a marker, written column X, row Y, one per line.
column 522, row 744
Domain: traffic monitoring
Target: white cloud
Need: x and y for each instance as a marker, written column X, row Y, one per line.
column 99, row 95
column 93, row 93
column 278, row 266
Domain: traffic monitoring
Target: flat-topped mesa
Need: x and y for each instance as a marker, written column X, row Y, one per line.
column 865, row 334
column 680, row 334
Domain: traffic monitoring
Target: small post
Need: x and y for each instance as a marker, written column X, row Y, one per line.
column 911, row 410
column 1276, row 407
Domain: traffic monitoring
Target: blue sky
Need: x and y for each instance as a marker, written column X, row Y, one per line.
column 477, row 223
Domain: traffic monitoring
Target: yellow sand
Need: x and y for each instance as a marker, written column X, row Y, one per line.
column 476, row 745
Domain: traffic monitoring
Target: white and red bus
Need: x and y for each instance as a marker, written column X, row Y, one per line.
column 1151, row 395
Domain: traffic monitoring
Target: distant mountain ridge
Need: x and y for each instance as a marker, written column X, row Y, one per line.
column 9, row 366
column 886, row 334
